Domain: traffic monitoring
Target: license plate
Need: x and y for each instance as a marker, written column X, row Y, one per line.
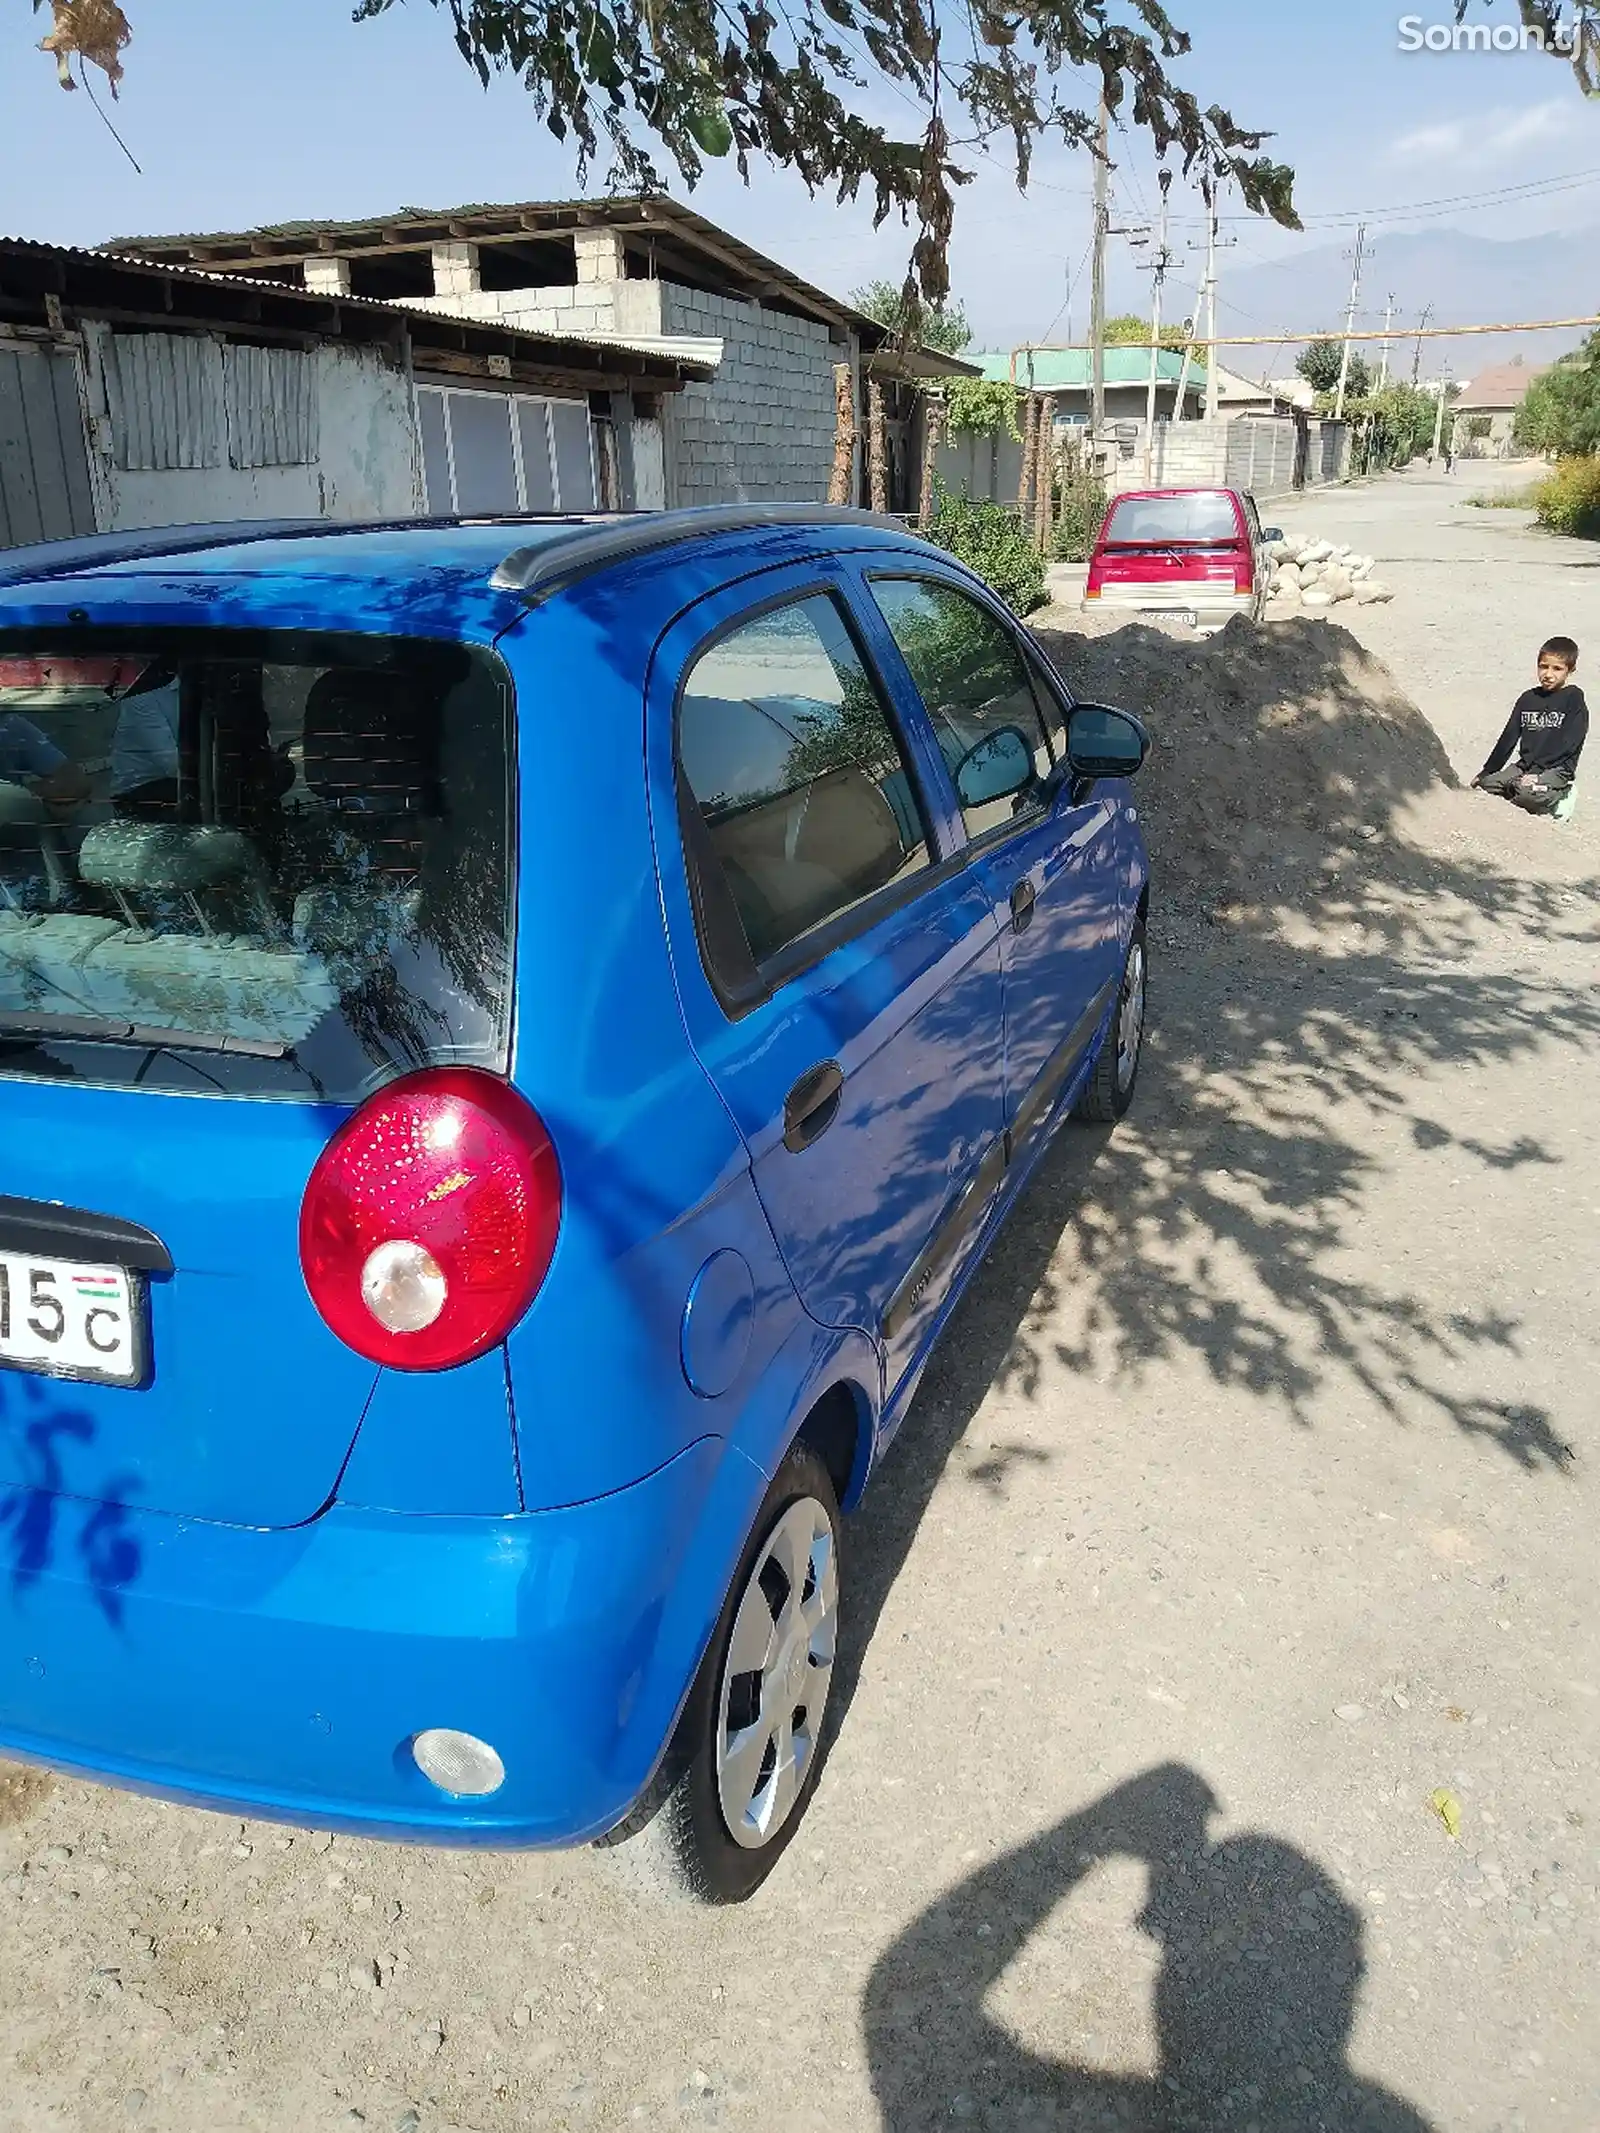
column 70, row 1319
column 1185, row 615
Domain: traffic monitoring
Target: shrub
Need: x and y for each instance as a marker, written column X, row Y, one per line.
column 1560, row 412
column 990, row 539
column 1569, row 501
column 1082, row 505
column 1506, row 499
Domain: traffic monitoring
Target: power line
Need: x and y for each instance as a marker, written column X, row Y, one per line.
column 1531, row 188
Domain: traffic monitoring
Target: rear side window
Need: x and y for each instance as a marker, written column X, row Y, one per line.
column 258, row 864
column 973, row 681
column 1149, row 521
column 802, row 800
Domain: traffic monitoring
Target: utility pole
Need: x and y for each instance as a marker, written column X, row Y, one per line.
column 1388, row 320
column 1097, row 299
column 1350, row 324
column 1416, row 360
column 1159, row 265
column 1211, row 295
column 1196, row 322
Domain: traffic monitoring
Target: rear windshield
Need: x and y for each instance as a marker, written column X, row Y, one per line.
column 1149, row 521
column 252, row 864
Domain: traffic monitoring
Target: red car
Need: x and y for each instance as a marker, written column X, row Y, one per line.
column 1193, row 554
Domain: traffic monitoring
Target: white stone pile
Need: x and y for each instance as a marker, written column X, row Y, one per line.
column 1313, row 576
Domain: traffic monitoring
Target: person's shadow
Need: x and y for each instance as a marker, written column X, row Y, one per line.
column 1261, row 1964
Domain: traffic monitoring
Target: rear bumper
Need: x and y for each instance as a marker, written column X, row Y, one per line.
column 1210, row 603
column 285, row 1674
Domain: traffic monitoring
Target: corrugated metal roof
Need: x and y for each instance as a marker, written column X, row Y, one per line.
column 645, row 218
column 549, row 345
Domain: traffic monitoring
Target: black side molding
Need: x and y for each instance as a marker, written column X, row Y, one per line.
column 46, row 1231
column 1040, row 1099
column 947, row 1240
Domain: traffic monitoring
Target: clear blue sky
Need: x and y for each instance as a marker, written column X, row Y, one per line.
column 252, row 111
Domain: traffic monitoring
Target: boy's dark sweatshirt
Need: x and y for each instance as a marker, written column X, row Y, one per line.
column 1552, row 726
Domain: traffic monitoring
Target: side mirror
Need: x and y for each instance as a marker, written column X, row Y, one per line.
column 1001, row 764
column 1272, row 533
column 1102, row 743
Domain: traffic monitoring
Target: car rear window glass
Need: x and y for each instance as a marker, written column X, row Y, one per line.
column 797, row 774
column 1146, row 521
column 263, row 864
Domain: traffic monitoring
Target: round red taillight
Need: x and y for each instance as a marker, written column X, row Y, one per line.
column 430, row 1219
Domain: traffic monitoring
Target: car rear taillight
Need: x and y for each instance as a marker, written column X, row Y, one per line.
column 1094, row 585
column 430, row 1219
column 1244, row 569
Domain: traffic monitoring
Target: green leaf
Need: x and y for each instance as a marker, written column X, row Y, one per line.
column 1448, row 1808
column 710, row 128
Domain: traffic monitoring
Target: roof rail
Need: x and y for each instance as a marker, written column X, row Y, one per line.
column 587, row 540
column 95, row 551
column 545, row 567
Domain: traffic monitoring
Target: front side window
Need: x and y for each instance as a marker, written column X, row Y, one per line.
column 803, row 794
column 260, row 863
column 969, row 671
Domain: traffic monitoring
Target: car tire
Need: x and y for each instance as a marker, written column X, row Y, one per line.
column 749, row 1747
column 1109, row 1089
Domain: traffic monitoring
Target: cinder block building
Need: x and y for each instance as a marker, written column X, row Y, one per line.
column 650, row 275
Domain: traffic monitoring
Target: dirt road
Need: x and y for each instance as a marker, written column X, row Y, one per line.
column 1250, row 1504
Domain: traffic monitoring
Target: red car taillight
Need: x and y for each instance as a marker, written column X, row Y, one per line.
column 1244, row 570
column 430, row 1219
column 1094, row 584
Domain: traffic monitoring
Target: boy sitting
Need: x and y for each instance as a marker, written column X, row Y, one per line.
column 1546, row 731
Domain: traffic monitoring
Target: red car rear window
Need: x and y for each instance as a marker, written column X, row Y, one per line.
column 1150, row 521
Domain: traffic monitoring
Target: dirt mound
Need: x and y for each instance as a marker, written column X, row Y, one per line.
column 1277, row 751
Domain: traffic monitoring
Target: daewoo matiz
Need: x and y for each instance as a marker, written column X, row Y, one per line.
column 512, row 1039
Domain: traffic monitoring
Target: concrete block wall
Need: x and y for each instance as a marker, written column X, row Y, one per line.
column 1186, row 455
column 761, row 431
column 588, row 307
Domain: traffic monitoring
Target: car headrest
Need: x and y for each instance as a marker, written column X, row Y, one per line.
column 371, row 744
column 165, row 857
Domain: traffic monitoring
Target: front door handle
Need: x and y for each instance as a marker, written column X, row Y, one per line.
column 1023, row 898
column 812, row 1105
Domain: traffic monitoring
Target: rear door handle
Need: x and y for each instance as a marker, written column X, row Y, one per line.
column 1023, row 898
column 812, row 1105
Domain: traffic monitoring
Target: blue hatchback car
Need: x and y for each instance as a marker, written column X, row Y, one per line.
column 512, row 1038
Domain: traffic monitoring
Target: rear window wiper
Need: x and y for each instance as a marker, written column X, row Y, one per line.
column 90, row 1029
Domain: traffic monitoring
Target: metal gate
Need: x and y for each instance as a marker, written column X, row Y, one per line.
column 44, row 462
column 1261, row 454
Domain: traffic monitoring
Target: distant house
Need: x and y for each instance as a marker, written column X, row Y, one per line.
column 1486, row 412
column 756, row 421
column 1261, row 438
column 1237, row 395
column 1068, row 373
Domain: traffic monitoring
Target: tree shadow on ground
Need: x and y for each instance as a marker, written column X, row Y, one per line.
column 1294, row 1034
column 1260, row 1968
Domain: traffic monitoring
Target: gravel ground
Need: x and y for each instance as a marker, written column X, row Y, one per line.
column 1247, row 1512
